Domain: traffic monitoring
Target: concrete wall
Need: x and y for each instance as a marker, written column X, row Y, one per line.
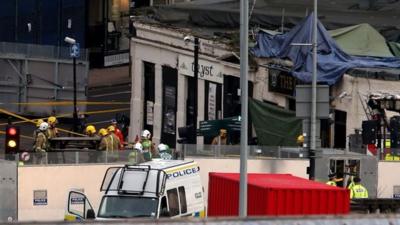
column 57, row 180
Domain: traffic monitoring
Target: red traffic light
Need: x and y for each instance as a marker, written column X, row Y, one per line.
column 12, row 139
column 12, row 131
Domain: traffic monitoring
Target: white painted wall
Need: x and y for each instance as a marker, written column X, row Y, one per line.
column 57, row 180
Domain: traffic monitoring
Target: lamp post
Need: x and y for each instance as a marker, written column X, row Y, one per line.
column 195, row 40
column 196, row 77
column 74, row 53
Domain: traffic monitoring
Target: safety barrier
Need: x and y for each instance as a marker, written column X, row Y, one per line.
column 39, row 51
column 326, row 220
column 75, row 157
column 221, row 151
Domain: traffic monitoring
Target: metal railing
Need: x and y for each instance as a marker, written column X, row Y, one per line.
column 39, row 51
column 78, row 156
column 223, row 151
column 75, row 157
column 84, row 156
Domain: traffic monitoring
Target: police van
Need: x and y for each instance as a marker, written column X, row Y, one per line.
column 155, row 189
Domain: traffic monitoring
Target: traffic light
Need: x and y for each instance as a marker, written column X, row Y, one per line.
column 186, row 135
column 12, row 139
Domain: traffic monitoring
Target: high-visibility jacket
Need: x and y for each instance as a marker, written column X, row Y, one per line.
column 332, row 183
column 358, row 191
column 390, row 157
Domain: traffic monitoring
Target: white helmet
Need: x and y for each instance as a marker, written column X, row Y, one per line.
column 43, row 126
column 139, row 147
column 146, row 134
column 162, row 147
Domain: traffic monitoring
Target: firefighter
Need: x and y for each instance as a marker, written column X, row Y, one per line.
column 164, row 151
column 148, row 147
column 52, row 132
column 114, row 143
column 118, row 132
column 41, row 142
column 300, row 140
column 104, row 140
column 136, row 156
column 357, row 190
column 332, row 180
column 90, row 131
column 38, row 122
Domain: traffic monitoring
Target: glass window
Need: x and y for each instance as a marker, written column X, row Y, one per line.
column 173, row 202
column 128, row 207
column 182, row 199
column 164, row 207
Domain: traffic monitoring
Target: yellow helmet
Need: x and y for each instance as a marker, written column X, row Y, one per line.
column 300, row 139
column 52, row 119
column 38, row 122
column 90, row 129
column 111, row 128
column 103, row 132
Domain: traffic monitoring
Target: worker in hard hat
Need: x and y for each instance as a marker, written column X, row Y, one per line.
column 90, row 131
column 148, row 148
column 104, row 139
column 36, row 131
column 300, row 140
column 92, row 144
column 41, row 144
column 164, row 151
column 52, row 132
column 136, row 156
column 118, row 132
column 114, row 144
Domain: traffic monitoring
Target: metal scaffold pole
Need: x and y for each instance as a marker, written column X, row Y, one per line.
column 244, row 30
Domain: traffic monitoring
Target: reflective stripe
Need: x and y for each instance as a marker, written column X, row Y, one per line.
column 358, row 191
column 331, row 183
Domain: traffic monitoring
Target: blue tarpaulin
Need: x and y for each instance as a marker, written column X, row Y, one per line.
column 332, row 61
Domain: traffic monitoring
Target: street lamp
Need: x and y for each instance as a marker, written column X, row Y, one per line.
column 74, row 53
column 188, row 39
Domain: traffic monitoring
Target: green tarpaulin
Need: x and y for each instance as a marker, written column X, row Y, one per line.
column 395, row 48
column 274, row 126
column 362, row 40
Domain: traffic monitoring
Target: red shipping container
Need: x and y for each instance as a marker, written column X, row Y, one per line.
column 275, row 194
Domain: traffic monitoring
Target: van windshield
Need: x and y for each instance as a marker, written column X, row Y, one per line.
column 127, row 207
